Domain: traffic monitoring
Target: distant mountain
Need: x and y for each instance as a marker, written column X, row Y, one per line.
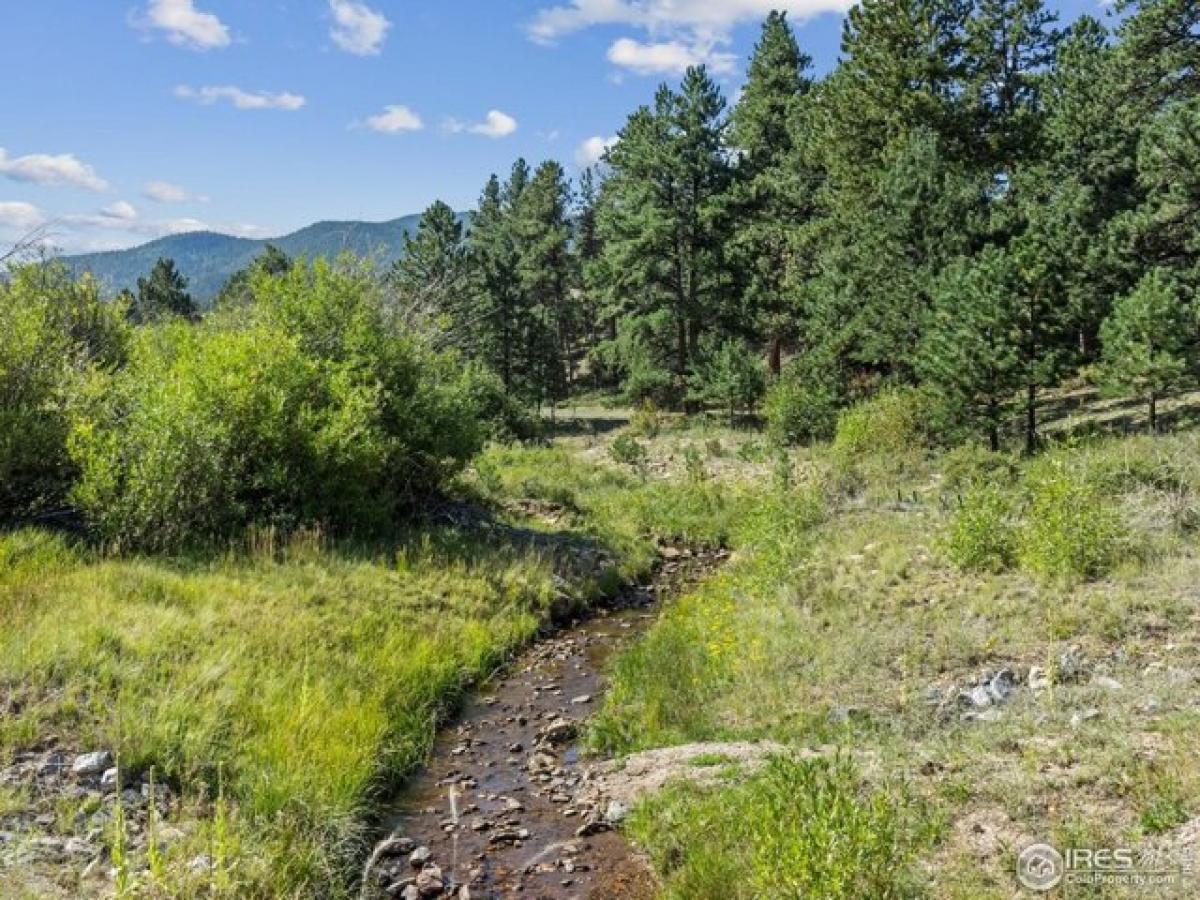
column 207, row 259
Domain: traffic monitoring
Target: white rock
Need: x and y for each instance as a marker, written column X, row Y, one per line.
column 91, row 763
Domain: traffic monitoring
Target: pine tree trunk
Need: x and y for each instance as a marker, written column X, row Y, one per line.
column 1153, row 413
column 775, row 356
column 1030, row 419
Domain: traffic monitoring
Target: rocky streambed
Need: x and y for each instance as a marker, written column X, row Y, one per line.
column 508, row 805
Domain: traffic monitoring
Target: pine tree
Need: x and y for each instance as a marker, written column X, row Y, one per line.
column 1149, row 343
column 543, row 236
column 968, row 353
column 660, row 218
column 773, row 191
column 162, row 294
column 495, row 263
column 433, row 272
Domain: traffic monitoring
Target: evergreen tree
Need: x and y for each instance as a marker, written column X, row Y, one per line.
column 237, row 290
column 1149, row 343
column 727, row 375
column 774, row 191
column 433, row 272
column 543, row 235
column 495, row 264
column 162, row 294
column 660, row 217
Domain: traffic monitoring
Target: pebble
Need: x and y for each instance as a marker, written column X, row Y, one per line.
column 91, row 763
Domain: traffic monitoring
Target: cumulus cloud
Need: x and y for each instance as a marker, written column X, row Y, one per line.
column 184, row 25
column 357, row 28
column 121, row 211
column 20, row 216
column 671, row 57
column 707, row 19
column 681, row 33
column 64, row 170
column 592, row 150
column 241, row 99
column 496, row 124
column 166, row 192
column 395, row 119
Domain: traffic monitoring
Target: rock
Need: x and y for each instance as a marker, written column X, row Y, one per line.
column 1082, row 716
column 79, row 847
column 542, row 762
column 91, row 763
column 978, row 697
column 1109, row 684
column 52, row 764
column 1002, row 685
column 110, row 780
column 616, row 812
column 395, row 846
column 515, row 747
column 410, row 892
column 558, row 732
column 420, row 857
column 429, row 883
column 582, row 699
column 201, row 864
column 1072, row 665
column 591, row 827
column 1038, row 680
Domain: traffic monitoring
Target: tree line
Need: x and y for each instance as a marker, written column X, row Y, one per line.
column 974, row 200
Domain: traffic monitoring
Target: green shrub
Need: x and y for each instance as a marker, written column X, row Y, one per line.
column 983, row 532
column 306, row 406
column 728, row 375
column 628, row 451
column 1072, row 530
column 647, row 420
column 892, row 422
column 52, row 328
column 800, row 828
column 969, row 466
column 799, row 408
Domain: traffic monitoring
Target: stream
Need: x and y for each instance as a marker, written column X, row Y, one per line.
column 502, row 808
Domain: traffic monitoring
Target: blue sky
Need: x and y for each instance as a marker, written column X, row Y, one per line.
column 123, row 120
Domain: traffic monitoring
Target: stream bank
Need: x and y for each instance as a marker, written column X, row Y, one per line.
column 503, row 807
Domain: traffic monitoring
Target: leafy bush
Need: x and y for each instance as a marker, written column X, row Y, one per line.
column 503, row 417
column 647, row 420
column 982, row 535
column 52, row 328
column 729, row 376
column 1071, row 530
column 969, row 466
column 800, row 828
column 629, row 452
column 800, row 408
column 306, row 406
column 889, row 423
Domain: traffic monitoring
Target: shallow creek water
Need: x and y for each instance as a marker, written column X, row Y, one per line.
column 502, row 804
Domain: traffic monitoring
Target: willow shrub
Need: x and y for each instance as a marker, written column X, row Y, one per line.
column 52, row 328
column 309, row 405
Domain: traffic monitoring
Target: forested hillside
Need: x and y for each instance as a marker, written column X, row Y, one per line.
column 208, row 260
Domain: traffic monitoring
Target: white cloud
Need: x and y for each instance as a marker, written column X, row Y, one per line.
column 166, row 192
column 357, row 28
column 496, row 124
column 705, row 19
column 672, row 57
column 241, row 99
column 57, row 171
column 395, row 119
column 121, row 210
column 185, row 25
column 681, row 33
column 20, row 216
column 592, row 150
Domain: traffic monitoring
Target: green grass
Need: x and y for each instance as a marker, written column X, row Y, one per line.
column 860, row 604
column 298, row 684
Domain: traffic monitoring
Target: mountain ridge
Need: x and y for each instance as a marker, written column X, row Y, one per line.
column 208, row 258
